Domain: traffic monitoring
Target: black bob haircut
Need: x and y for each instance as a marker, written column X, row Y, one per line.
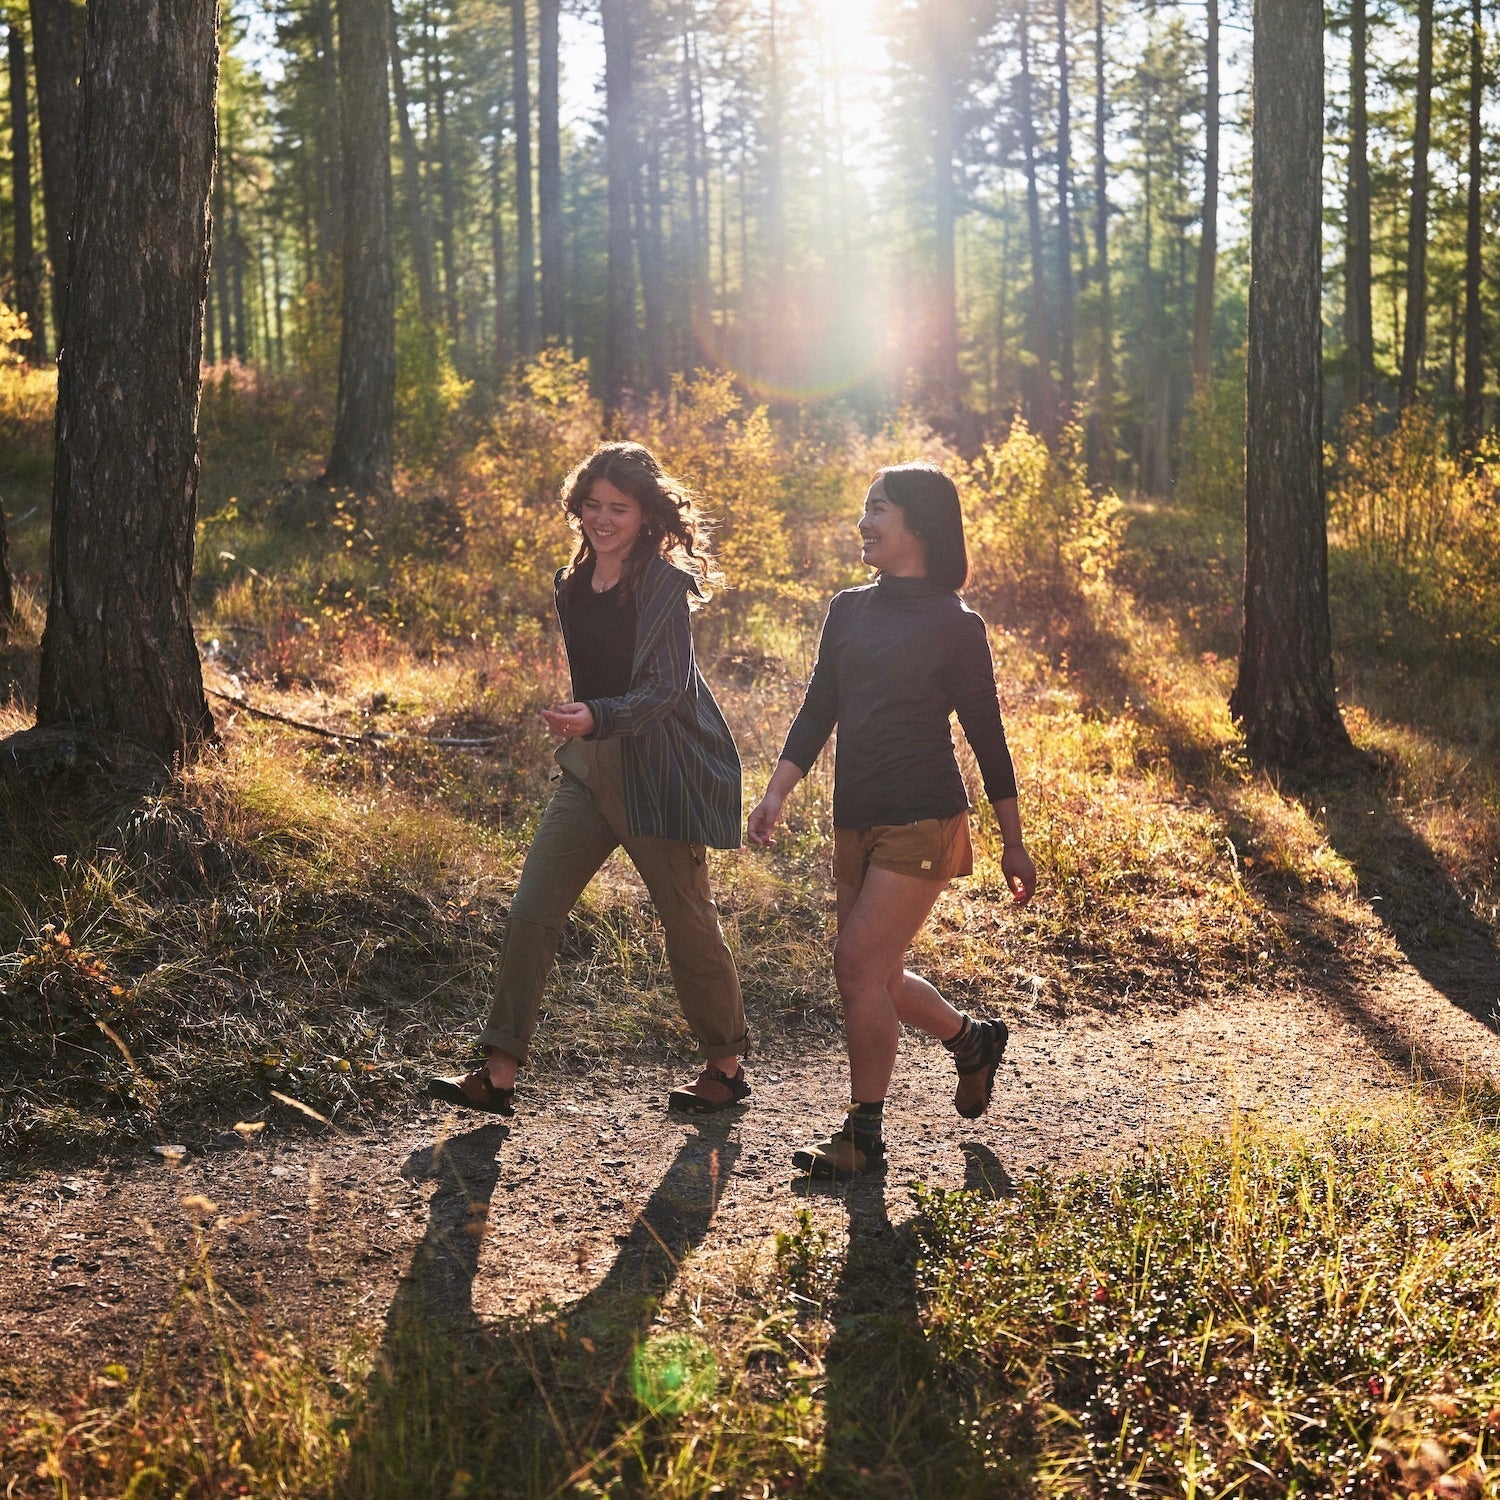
column 929, row 501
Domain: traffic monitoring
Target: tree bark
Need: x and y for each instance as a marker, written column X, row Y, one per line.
column 770, row 356
column 1101, row 447
column 1064, row 216
column 1044, row 413
column 697, row 200
column 1284, row 697
column 1359, row 322
column 330, row 144
column 619, row 145
column 1473, row 420
column 437, row 98
column 364, row 428
column 1415, row 343
column 411, row 184
column 7, row 590
column 1208, row 240
column 525, row 231
column 497, row 247
column 27, row 294
column 549, row 172
column 57, row 49
column 941, row 92
column 118, row 654
column 651, row 252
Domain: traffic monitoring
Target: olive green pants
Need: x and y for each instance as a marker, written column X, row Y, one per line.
column 583, row 825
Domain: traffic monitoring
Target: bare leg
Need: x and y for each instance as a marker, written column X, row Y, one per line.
column 876, row 926
column 918, row 1004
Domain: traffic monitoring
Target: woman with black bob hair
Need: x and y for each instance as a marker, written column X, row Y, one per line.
column 898, row 657
column 646, row 762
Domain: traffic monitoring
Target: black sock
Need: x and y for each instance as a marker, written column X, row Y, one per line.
column 865, row 1121
column 965, row 1043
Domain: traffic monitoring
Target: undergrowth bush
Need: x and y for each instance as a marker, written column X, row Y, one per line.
column 1412, row 529
column 429, row 391
column 727, row 451
column 1039, row 538
column 27, row 395
column 1211, row 460
column 1250, row 1316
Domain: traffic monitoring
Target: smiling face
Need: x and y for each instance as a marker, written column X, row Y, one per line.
column 886, row 542
column 612, row 520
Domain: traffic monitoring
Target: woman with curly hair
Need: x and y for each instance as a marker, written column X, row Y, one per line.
column 646, row 763
column 897, row 659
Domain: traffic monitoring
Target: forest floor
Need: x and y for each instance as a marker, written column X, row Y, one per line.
column 509, row 1224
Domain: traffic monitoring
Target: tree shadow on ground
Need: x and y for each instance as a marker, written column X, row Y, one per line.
column 532, row 1404
column 893, row 1425
column 1397, row 871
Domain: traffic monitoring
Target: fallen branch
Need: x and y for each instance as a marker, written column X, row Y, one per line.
column 369, row 737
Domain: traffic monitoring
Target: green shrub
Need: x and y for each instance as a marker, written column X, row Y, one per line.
column 1040, row 540
column 1412, row 528
column 1243, row 1316
column 429, row 391
column 1211, row 462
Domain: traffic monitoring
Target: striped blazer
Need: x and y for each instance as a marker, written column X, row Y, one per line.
column 681, row 768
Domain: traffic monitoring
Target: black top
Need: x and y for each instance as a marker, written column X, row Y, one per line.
column 599, row 631
column 896, row 659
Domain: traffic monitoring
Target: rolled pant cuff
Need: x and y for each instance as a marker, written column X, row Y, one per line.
column 740, row 1048
column 504, row 1041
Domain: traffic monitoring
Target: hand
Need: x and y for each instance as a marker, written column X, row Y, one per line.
column 1019, row 872
column 763, row 820
column 570, row 719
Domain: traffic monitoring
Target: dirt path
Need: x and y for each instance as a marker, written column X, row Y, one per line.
column 321, row 1231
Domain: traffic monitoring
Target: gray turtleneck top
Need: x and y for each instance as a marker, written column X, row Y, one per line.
column 897, row 659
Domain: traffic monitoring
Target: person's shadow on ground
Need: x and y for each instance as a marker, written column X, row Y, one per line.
column 893, row 1426
column 457, row 1407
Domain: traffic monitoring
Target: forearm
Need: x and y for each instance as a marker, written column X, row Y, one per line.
column 783, row 779
column 1008, row 816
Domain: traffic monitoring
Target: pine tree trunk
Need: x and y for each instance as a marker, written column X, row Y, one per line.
column 7, row 589
column 1415, row 343
column 1284, row 697
column 411, row 184
column 1064, row 216
column 549, row 173
column 619, row 144
column 57, row 48
column 651, row 254
column 361, row 457
column 945, row 375
column 1044, row 413
column 448, row 208
column 330, row 145
column 234, row 256
column 118, row 653
column 1101, row 446
column 697, row 201
column 497, row 249
column 1473, row 420
column 1208, row 241
column 771, row 356
column 525, row 231
column 223, row 304
column 1358, row 315
column 26, row 291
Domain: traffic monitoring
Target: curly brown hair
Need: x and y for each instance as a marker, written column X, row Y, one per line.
column 672, row 526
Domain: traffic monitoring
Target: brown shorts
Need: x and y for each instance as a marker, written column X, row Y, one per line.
column 933, row 849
